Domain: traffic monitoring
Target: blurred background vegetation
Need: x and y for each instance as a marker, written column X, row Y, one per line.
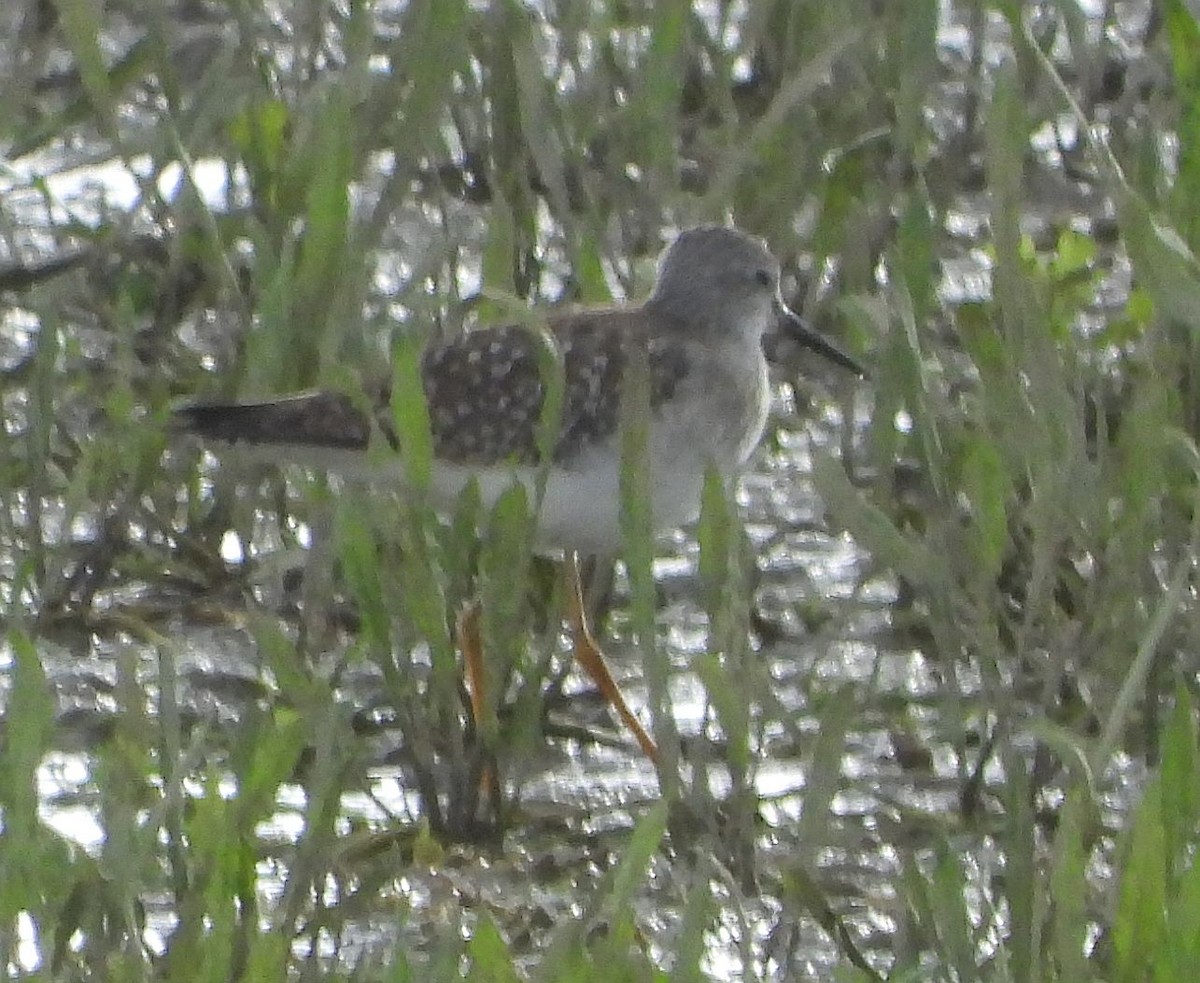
column 942, row 727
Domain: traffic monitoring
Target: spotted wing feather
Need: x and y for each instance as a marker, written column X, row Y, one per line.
column 485, row 392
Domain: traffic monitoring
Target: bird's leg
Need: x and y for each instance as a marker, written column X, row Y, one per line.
column 470, row 642
column 586, row 651
column 591, row 660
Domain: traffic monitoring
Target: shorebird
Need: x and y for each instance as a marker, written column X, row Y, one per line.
column 699, row 336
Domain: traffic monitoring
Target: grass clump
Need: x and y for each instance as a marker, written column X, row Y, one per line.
column 305, row 198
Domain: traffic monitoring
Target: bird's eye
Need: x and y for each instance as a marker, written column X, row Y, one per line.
column 763, row 277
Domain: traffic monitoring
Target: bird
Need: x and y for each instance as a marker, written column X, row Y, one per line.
column 698, row 338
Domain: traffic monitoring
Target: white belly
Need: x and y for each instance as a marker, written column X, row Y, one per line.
column 581, row 510
column 581, row 506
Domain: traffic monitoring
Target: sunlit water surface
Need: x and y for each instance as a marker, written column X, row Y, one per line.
column 538, row 880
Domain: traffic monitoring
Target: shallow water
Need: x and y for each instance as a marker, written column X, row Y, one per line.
column 838, row 631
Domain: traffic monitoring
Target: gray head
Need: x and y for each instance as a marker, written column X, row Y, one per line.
column 724, row 285
column 717, row 280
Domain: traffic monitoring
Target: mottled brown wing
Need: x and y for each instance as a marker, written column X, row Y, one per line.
column 484, row 390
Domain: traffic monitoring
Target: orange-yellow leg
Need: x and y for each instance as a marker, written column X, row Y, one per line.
column 591, row 659
column 470, row 642
column 586, row 651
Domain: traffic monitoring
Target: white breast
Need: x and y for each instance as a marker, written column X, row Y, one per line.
column 717, row 420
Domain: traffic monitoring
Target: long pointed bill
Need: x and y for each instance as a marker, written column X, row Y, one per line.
column 795, row 326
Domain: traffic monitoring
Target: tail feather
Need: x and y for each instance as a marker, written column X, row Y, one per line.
column 318, row 419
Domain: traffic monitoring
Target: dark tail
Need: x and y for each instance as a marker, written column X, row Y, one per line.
column 318, row 419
